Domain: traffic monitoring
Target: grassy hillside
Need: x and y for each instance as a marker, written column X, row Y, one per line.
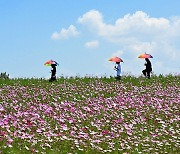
column 90, row 115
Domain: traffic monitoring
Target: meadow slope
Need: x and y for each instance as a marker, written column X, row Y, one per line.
column 90, row 115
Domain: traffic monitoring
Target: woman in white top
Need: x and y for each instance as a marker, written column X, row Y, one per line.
column 118, row 69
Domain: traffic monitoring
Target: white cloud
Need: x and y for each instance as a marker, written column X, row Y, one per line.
column 138, row 33
column 118, row 53
column 138, row 25
column 65, row 33
column 92, row 44
column 142, row 47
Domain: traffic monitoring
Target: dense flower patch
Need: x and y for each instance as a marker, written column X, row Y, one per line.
column 94, row 115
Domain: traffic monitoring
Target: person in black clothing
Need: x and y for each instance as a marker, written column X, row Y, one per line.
column 53, row 73
column 148, row 69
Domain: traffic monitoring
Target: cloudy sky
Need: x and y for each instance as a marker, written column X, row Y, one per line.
column 83, row 34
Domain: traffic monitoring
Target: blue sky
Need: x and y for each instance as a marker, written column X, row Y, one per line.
column 83, row 34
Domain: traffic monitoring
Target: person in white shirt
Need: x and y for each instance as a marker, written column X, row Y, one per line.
column 118, row 69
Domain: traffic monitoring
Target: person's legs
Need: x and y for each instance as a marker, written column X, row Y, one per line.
column 118, row 77
column 50, row 80
column 148, row 74
column 144, row 72
column 54, row 78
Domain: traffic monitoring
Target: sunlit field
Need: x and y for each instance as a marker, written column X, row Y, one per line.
column 90, row 115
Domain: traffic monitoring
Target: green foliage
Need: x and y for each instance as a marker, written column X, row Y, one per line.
column 4, row 75
column 83, row 91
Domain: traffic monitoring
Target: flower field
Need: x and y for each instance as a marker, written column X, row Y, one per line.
column 90, row 115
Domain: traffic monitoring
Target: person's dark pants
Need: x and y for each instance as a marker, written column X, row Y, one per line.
column 118, row 77
column 146, row 73
column 53, row 78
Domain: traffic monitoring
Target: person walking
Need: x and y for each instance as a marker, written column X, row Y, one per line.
column 53, row 73
column 146, row 72
column 117, row 60
column 53, row 65
column 118, row 69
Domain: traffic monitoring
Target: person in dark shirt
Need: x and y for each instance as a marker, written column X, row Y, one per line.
column 148, row 69
column 53, row 73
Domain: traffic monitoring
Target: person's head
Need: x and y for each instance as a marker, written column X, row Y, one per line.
column 53, row 65
column 146, row 59
column 117, row 62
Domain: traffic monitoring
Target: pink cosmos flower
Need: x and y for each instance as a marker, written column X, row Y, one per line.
column 104, row 132
column 1, row 108
column 2, row 133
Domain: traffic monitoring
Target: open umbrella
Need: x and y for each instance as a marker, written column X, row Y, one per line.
column 145, row 55
column 50, row 62
column 116, row 59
